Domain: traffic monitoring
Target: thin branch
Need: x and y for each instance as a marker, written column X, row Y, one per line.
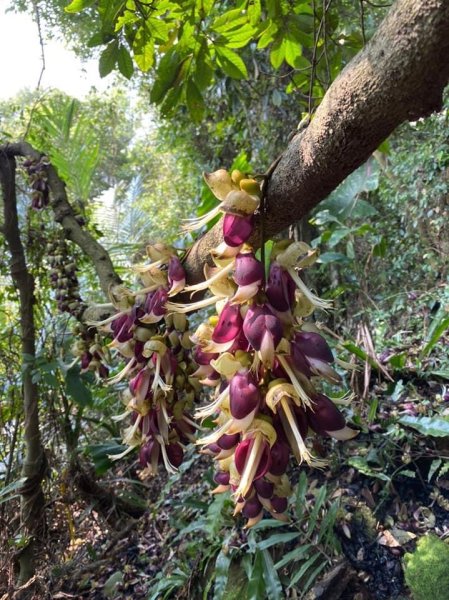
column 43, row 65
column 65, row 215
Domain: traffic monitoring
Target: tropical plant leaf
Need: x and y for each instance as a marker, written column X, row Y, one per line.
column 433, row 426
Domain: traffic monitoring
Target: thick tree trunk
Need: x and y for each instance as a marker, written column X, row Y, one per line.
column 34, row 466
column 400, row 75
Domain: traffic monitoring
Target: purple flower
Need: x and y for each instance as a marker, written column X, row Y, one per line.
column 227, row 330
column 263, row 331
column 248, row 275
column 237, row 230
column 244, row 395
column 176, row 275
column 311, row 355
column 155, row 306
column 325, row 419
column 280, row 289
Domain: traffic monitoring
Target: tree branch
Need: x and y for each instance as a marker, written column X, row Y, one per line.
column 65, row 215
column 400, row 75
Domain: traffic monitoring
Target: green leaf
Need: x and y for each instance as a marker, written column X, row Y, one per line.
column 317, row 504
column 327, row 524
column 338, row 235
column 303, row 569
column 293, row 556
column 76, row 389
column 277, row 52
column 267, row 35
column 273, row 586
column 222, row 565
column 293, row 51
column 143, row 49
column 443, row 373
column 256, row 583
column 100, row 453
column 278, row 538
column 98, row 39
column 10, row 491
column 203, row 69
column 330, row 257
column 276, row 98
column 231, row 63
column 359, row 463
column 78, row 5
column 195, row 102
column 313, row 575
column 166, row 75
column 435, row 465
column 125, row 63
column 433, row 426
column 240, row 37
column 110, row 11
column 108, row 58
column 439, row 326
column 229, row 20
column 301, row 491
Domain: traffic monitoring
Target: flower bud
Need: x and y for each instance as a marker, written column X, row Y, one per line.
column 244, row 395
column 237, row 230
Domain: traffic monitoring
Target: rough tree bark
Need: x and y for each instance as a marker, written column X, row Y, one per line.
column 400, row 75
column 34, row 466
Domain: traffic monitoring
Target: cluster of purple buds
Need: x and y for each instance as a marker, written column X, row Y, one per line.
column 37, row 175
column 262, row 358
column 89, row 350
column 63, row 278
column 156, row 351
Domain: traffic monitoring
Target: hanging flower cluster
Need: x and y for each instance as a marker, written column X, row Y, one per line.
column 261, row 357
column 63, row 277
column 37, row 174
column 156, row 349
column 88, row 349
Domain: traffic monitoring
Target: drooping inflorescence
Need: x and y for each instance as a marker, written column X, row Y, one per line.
column 260, row 357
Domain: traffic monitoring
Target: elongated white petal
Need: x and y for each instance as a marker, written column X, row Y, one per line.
column 299, row 447
column 106, row 321
column 213, row 347
column 122, row 454
column 121, row 416
column 251, row 466
column 185, row 308
column 210, row 409
column 298, row 387
column 149, row 267
column 215, row 435
column 170, row 468
column 223, row 272
column 225, row 251
column 245, row 292
column 318, row 302
column 198, row 222
column 117, row 378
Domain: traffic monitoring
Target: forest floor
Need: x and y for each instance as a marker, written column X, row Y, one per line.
column 390, row 486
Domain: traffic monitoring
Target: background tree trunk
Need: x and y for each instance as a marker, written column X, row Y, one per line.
column 34, row 466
